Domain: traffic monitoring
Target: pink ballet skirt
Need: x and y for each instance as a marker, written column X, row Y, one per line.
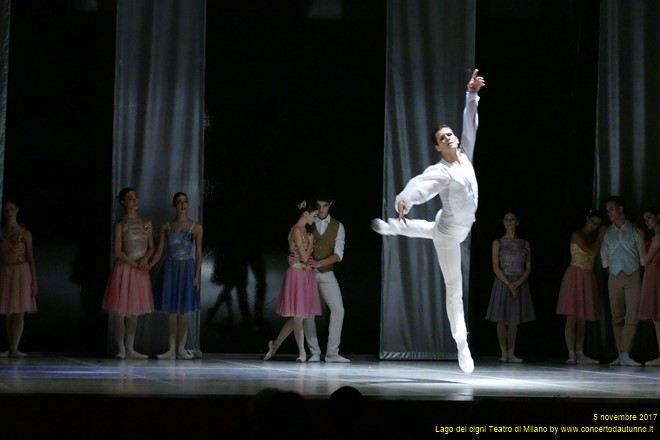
column 649, row 303
column 578, row 294
column 299, row 295
column 16, row 289
column 129, row 291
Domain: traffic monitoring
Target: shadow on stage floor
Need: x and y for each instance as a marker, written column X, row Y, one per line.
column 235, row 396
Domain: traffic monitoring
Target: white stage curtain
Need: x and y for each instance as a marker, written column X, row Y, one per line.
column 628, row 131
column 430, row 56
column 159, row 122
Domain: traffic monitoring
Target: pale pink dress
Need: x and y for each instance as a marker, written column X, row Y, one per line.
column 578, row 294
column 129, row 289
column 299, row 295
column 15, row 276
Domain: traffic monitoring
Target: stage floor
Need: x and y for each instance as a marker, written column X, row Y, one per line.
column 433, row 394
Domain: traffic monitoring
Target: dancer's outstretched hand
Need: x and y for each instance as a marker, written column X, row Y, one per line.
column 476, row 82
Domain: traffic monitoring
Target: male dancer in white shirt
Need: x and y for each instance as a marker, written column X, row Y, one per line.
column 453, row 179
column 329, row 237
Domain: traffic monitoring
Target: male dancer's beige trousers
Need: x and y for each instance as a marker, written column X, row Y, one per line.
column 625, row 292
column 329, row 290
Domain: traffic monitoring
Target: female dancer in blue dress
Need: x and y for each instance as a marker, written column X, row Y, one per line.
column 177, row 289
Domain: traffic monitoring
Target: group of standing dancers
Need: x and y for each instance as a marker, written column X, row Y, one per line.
column 316, row 243
column 129, row 292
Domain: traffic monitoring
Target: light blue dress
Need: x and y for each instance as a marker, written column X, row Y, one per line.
column 175, row 290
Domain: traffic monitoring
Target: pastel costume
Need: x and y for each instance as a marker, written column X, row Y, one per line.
column 175, row 288
column 622, row 253
column 504, row 307
column 578, row 294
column 15, row 276
column 299, row 295
column 129, row 289
column 649, row 303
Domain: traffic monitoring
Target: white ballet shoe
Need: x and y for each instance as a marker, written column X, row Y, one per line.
column 132, row 354
column 653, row 363
column 167, row 356
column 381, row 227
column 626, row 361
column 585, row 360
column 465, row 360
column 272, row 349
column 513, row 359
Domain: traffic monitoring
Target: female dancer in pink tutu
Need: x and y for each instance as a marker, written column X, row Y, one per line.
column 299, row 296
column 649, row 303
column 128, row 294
column 578, row 294
column 18, row 277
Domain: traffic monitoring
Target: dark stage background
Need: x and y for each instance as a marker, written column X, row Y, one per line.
column 296, row 102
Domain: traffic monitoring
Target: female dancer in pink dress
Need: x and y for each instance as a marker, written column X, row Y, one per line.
column 578, row 294
column 18, row 278
column 128, row 294
column 299, row 296
column 649, row 303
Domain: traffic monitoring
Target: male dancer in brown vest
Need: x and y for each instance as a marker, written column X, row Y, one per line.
column 329, row 236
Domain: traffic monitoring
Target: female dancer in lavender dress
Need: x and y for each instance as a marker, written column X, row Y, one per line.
column 510, row 300
column 177, row 290
column 299, row 296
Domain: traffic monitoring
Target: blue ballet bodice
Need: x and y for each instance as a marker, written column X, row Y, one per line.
column 180, row 244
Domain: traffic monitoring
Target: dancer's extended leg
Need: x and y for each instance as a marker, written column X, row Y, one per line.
column 412, row 228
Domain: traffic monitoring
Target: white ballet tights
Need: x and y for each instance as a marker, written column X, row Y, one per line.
column 448, row 251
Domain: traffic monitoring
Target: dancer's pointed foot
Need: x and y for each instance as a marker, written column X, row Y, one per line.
column 381, row 227
column 584, row 360
column 121, row 354
column 571, row 359
column 504, row 358
column 302, row 357
column 272, row 349
column 132, row 354
column 167, row 356
column 465, row 360
column 616, row 362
